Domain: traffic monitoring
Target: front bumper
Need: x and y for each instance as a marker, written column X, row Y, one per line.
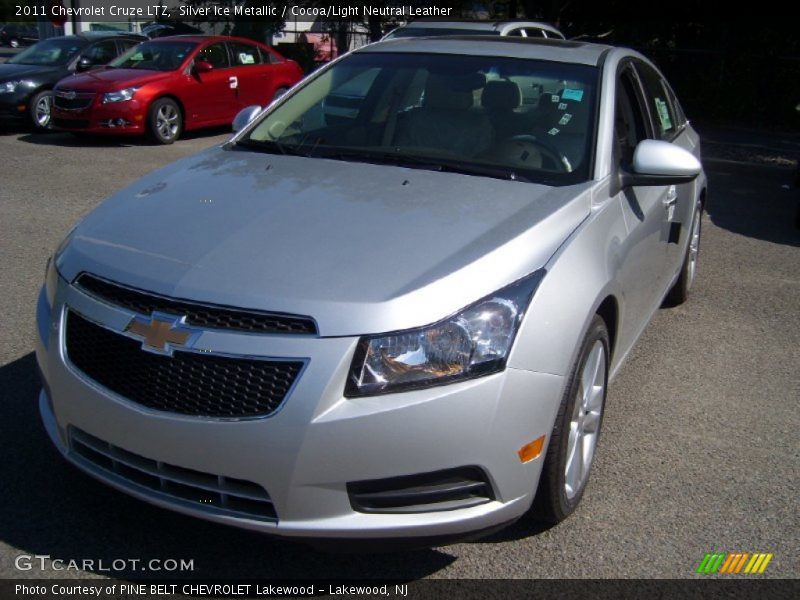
column 112, row 118
column 14, row 107
column 305, row 454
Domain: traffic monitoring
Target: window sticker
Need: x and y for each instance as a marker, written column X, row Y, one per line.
column 663, row 115
column 554, row 131
column 570, row 94
column 562, row 106
column 554, row 98
column 246, row 58
column 565, row 119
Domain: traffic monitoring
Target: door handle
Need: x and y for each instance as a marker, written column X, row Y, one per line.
column 671, row 197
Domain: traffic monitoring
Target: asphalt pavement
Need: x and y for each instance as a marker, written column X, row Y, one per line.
column 699, row 451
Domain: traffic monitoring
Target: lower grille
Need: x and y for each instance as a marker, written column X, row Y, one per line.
column 198, row 490
column 187, row 382
column 71, row 123
column 450, row 489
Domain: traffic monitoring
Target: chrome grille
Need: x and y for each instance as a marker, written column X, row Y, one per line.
column 201, row 315
column 195, row 489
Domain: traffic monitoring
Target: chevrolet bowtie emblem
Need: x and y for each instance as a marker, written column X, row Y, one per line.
column 161, row 333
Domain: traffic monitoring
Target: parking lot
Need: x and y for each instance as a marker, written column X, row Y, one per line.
column 700, row 446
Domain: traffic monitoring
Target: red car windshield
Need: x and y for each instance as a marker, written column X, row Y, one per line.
column 155, row 56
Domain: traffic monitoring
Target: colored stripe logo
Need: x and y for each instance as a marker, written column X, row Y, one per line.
column 732, row 563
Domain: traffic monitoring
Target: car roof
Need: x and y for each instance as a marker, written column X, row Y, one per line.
column 199, row 37
column 584, row 53
column 476, row 24
column 99, row 35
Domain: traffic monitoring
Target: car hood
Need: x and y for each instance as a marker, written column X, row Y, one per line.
column 103, row 80
column 12, row 71
column 361, row 248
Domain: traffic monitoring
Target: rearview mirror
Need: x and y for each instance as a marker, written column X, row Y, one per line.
column 84, row 64
column 661, row 163
column 203, row 66
column 245, row 116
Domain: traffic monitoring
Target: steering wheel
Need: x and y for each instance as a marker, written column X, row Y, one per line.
column 560, row 162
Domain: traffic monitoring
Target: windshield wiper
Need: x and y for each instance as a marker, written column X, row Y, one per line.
column 421, row 162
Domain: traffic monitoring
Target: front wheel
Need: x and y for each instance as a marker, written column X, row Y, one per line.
column 164, row 121
column 39, row 110
column 571, row 451
column 679, row 292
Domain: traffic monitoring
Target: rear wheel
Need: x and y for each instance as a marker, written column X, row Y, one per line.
column 39, row 110
column 680, row 290
column 278, row 93
column 571, row 451
column 165, row 121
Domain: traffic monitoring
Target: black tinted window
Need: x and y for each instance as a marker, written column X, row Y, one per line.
column 658, row 101
column 215, row 54
column 244, row 54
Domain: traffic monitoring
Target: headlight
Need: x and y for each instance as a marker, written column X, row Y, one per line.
column 50, row 281
column 474, row 342
column 51, row 270
column 9, row 87
column 120, row 96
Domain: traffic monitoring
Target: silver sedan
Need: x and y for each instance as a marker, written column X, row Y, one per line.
column 391, row 306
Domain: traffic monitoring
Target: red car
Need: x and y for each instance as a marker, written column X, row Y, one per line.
column 168, row 85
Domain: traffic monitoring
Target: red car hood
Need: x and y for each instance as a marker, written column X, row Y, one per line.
column 106, row 80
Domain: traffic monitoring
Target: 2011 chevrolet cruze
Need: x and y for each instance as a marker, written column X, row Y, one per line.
column 394, row 318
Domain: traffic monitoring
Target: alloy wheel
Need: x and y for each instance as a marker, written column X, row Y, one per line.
column 167, row 121
column 694, row 250
column 584, row 426
column 41, row 112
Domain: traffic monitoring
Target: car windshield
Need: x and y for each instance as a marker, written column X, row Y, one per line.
column 53, row 52
column 404, row 32
column 155, row 56
column 510, row 118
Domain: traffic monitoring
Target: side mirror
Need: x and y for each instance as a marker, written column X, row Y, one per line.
column 661, row 163
column 84, row 64
column 245, row 116
column 203, row 66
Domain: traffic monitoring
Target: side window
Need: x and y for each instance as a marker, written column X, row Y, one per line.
column 216, row 54
column 659, row 102
column 269, row 58
column 244, row 54
column 125, row 45
column 515, row 33
column 629, row 120
column 101, row 53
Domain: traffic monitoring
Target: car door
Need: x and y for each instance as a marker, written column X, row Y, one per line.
column 643, row 273
column 255, row 84
column 210, row 97
column 666, row 127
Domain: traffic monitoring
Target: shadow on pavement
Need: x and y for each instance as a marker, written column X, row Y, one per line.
column 88, row 140
column 753, row 200
column 49, row 508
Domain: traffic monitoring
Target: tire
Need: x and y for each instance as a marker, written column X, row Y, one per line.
column 40, row 109
column 278, row 93
column 563, row 481
column 679, row 292
column 164, row 121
